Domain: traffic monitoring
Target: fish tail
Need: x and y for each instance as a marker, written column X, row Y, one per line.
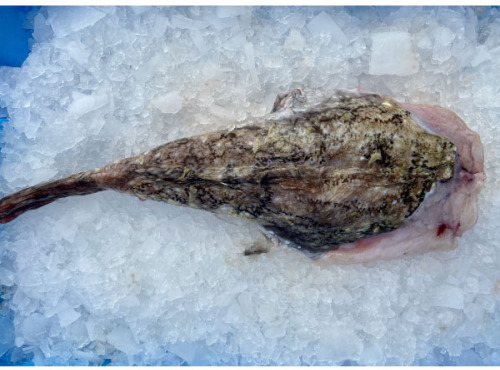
column 37, row 196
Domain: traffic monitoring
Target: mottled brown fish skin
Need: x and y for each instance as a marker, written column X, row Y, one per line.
column 327, row 172
column 322, row 169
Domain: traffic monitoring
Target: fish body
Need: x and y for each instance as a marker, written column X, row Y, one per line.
column 324, row 168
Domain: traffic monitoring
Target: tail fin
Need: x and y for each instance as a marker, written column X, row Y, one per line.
column 39, row 195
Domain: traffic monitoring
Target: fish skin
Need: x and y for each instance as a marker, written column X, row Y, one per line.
column 324, row 168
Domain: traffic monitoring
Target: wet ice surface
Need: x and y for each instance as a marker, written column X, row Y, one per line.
column 89, row 280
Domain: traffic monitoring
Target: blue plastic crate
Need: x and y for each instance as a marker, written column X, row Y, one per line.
column 14, row 37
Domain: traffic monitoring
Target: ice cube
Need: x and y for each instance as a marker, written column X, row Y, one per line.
column 295, row 20
column 182, row 22
column 194, row 354
column 482, row 55
column 42, row 174
column 7, row 333
column 250, row 61
column 231, row 11
column 199, row 41
column 83, row 104
column 337, row 344
column 68, row 316
column 392, row 54
column 235, row 43
column 323, row 23
column 138, row 10
column 35, row 328
column 169, row 103
column 449, row 296
column 295, row 41
column 160, row 25
column 443, row 37
column 66, row 20
column 222, row 23
column 7, row 277
column 122, row 339
column 76, row 50
column 42, row 32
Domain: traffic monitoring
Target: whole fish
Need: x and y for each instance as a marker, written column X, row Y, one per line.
column 324, row 168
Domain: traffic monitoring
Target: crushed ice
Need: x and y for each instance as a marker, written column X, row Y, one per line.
column 108, row 279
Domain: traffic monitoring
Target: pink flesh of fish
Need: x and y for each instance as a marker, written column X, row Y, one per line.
column 444, row 215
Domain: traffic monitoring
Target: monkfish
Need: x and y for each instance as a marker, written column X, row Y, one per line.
column 348, row 175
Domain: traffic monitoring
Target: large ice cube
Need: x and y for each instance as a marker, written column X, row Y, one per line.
column 66, row 20
column 392, row 54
